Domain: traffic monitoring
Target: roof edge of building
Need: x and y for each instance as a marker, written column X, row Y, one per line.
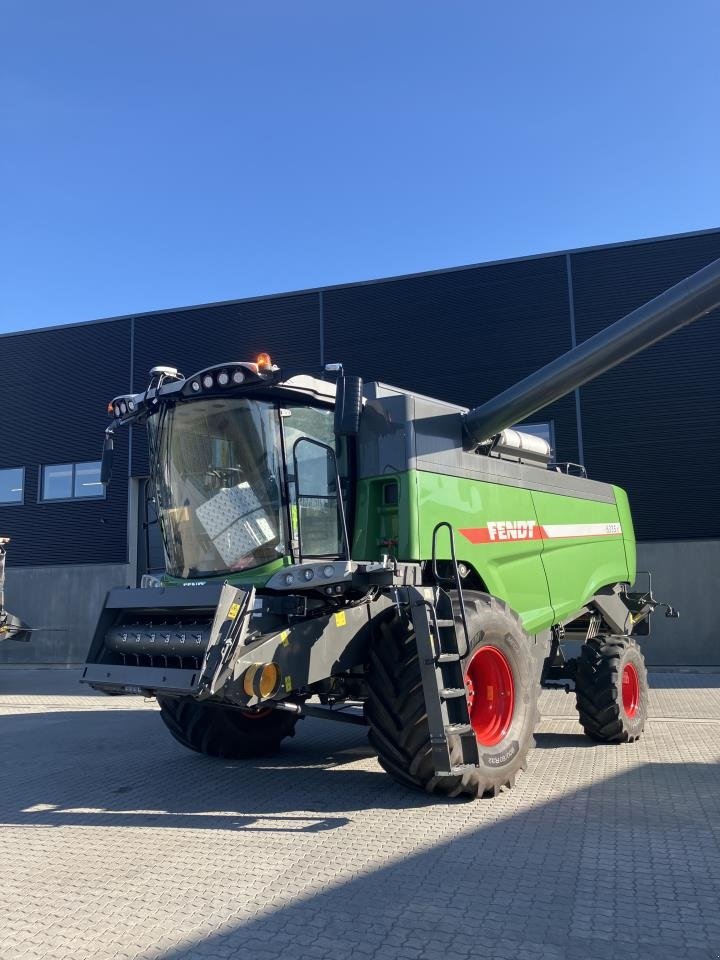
column 363, row 283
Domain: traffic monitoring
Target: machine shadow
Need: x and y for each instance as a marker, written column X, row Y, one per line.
column 148, row 788
column 541, row 882
column 579, row 740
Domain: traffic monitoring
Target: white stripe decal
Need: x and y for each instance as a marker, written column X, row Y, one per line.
column 552, row 530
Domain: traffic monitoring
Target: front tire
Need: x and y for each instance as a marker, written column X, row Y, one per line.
column 498, row 670
column 611, row 689
column 228, row 732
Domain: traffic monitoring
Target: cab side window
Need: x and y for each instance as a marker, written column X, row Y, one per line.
column 310, row 444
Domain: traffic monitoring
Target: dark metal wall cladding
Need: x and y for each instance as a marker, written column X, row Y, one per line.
column 55, row 387
column 652, row 425
column 462, row 336
column 288, row 328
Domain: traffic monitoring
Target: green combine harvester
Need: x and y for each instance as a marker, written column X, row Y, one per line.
column 362, row 553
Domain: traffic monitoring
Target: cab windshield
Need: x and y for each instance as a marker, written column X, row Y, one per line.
column 217, row 472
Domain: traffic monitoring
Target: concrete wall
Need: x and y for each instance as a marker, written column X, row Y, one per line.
column 67, row 599
column 685, row 573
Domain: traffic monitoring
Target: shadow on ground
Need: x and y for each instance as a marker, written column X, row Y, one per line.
column 627, row 867
column 307, row 774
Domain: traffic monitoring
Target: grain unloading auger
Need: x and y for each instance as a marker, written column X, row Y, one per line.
column 366, row 554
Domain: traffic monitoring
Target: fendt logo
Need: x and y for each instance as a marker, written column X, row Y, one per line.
column 511, row 529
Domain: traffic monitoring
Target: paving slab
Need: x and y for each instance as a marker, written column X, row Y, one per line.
column 115, row 842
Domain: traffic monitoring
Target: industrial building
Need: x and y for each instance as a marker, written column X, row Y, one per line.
column 651, row 425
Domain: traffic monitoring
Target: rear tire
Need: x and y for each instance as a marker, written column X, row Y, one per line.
column 395, row 707
column 611, row 689
column 228, row 732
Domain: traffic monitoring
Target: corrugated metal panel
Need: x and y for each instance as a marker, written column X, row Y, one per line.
column 652, row 425
column 288, row 328
column 55, row 387
column 462, row 337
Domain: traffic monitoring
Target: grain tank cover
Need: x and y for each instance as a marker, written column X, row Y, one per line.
column 523, row 446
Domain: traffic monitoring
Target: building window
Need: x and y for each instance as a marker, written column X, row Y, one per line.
column 12, row 482
column 72, row 481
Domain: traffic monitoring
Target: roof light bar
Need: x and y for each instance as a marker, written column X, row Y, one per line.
column 126, row 406
column 166, row 384
column 227, row 376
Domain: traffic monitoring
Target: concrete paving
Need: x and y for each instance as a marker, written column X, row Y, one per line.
column 115, row 842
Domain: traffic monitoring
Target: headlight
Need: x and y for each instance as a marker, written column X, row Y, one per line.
column 208, row 381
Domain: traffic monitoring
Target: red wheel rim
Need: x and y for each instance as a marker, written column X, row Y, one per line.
column 630, row 690
column 491, row 695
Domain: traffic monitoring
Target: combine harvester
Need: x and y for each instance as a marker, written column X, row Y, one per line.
column 411, row 565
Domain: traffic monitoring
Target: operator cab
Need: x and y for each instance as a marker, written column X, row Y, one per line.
column 246, row 469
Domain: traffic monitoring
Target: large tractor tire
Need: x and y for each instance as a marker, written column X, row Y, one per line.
column 611, row 689
column 502, row 690
column 227, row 732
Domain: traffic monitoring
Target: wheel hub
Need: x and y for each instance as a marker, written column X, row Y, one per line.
column 491, row 694
column 630, row 690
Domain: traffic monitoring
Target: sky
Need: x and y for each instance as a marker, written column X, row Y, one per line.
column 166, row 152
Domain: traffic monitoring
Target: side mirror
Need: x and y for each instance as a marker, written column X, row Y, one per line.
column 348, row 406
column 107, row 458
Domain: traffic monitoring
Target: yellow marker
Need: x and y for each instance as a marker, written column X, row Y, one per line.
column 288, row 684
column 233, row 611
column 340, row 619
column 284, row 638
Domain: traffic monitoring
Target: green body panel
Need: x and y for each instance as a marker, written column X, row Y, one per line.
column 578, row 566
column 382, row 528
column 628, row 532
column 511, row 570
column 544, row 579
column 256, row 577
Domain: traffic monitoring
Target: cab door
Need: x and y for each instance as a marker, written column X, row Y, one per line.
column 316, row 515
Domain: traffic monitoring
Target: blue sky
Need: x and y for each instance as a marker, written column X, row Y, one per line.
column 159, row 153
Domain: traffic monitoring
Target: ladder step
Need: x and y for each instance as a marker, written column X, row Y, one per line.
column 448, row 658
column 449, row 693
column 459, row 728
column 443, row 623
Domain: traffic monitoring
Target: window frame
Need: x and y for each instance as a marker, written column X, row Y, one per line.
column 21, row 501
column 73, row 498
column 342, row 552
